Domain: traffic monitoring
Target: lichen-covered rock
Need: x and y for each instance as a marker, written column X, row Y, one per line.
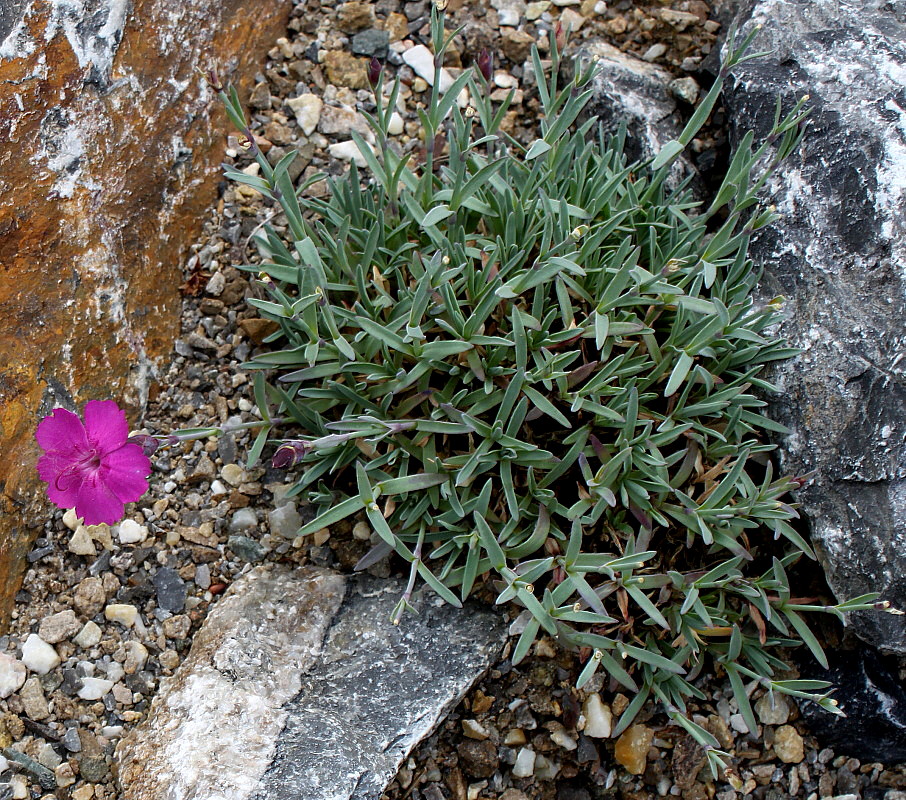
column 107, row 163
column 838, row 254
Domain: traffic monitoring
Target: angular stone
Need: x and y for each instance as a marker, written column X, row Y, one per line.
column 630, row 91
column 89, row 597
column 38, row 655
column 598, row 717
column 631, row 749
column 212, row 729
column 171, row 590
column 788, row 745
column 377, row 690
column 89, row 636
column 110, row 163
column 33, row 701
column 838, row 253
column 307, row 108
column 12, row 675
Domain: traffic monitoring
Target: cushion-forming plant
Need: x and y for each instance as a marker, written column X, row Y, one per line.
column 537, row 369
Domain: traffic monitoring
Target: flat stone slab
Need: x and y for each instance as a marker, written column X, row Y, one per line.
column 292, row 691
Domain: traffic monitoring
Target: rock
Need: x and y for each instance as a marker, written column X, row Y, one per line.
column 516, row 45
column 631, row 749
column 477, row 759
column 214, row 725
column 654, row 52
column 177, row 627
column 203, row 471
column 43, row 776
column 71, row 740
column 262, row 682
column 38, row 655
column 136, row 657
column 680, row 20
column 872, row 696
column 509, row 12
column 525, row 763
column 343, row 120
column 474, row 729
column 260, row 98
column 33, row 701
column 344, row 69
column 94, row 688
column 685, row 89
column 130, row 532
column 89, row 636
column 348, row 151
column 371, row 43
column 233, row 474
column 89, row 597
column 114, row 144
column 171, row 590
column 598, row 717
column 122, row 613
column 688, row 758
column 772, row 709
column 307, row 108
column 284, row 521
column 837, row 255
column 630, row 91
column 57, row 627
column 259, row 329
column 244, row 519
column 81, row 543
column 352, row 17
column 12, row 675
column 788, row 745
column 421, row 59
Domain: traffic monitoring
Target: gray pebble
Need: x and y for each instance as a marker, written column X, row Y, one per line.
column 71, row 740
column 246, row 549
column 371, row 43
column 244, row 519
column 171, row 589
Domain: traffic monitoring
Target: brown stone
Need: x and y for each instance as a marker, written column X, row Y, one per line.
column 344, row 69
column 108, row 161
column 258, row 329
column 356, row 16
column 516, row 45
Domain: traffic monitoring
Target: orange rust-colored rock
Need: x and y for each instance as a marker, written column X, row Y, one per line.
column 108, row 160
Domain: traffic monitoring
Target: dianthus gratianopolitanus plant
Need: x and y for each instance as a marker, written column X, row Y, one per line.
column 535, row 368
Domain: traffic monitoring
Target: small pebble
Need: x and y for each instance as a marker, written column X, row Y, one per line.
column 70, row 519
column 598, row 717
column 123, row 613
column 57, row 627
column 474, row 730
column 772, row 709
column 233, row 474
column 525, row 763
column 284, row 521
column 631, row 750
column 12, row 675
column 81, row 543
column 654, row 52
column 788, row 745
column 130, row 532
column 89, row 636
column 38, row 655
column 33, row 701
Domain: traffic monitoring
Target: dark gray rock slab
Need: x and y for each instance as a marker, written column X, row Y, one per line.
column 838, row 254
column 291, row 691
column 377, row 691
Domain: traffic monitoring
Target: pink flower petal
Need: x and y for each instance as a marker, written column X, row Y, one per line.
column 106, row 425
column 62, row 432
column 124, row 472
column 96, row 503
column 62, row 493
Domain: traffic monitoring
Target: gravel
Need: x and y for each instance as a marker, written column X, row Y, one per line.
column 105, row 614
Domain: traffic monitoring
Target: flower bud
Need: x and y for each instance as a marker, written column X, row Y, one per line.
column 441, row 5
column 559, row 36
column 486, row 64
column 290, row 453
column 148, row 444
column 214, row 80
column 374, row 71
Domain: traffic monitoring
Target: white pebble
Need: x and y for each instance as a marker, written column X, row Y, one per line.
column 130, row 532
column 112, row 731
column 504, row 80
column 598, row 717
column 81, row 543
column 94, row 688
column 218, row 489
column 421, row 59
column 525, row 763
column 89, row 636
column 564, row 740
column 71, row 520
column 4, row 764
column 395, row 128
column 738, row 723
column 121, row 612
column 39, row 656
column 307, row 108
column 12, row 676
column 348, row 151
column 19, row 786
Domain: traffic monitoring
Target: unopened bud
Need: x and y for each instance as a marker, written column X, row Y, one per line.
column 214, row 80
column 470, row 112
column 559, row 36
column 441, row 5
column 486, row 64
column 777, row 302
column 148, row 444
column 579, row 231
column 374, row 71
column 289, row 454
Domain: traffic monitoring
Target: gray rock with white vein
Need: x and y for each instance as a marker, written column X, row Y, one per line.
column 291, row 692
column 838, row 254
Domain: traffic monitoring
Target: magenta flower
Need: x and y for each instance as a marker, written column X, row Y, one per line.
column 91, row 467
